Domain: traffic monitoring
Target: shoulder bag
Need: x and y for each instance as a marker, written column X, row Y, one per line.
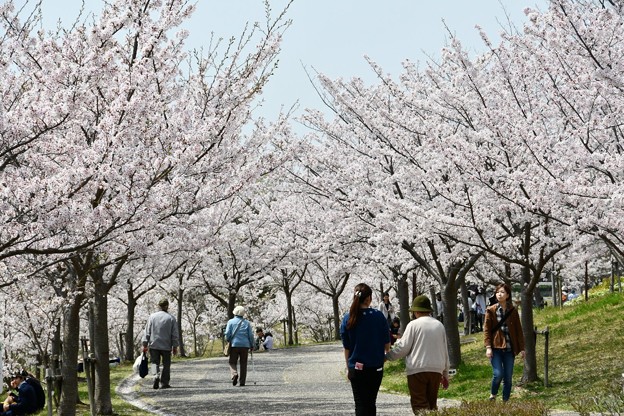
column 500, row 323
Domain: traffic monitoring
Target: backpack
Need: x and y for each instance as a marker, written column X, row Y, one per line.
column 39, row 393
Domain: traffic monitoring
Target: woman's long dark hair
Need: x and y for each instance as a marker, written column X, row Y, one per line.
column 362, row 292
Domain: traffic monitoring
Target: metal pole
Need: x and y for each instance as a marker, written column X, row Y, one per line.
column 546, row 334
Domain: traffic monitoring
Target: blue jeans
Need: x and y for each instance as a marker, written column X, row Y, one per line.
column 503, row 365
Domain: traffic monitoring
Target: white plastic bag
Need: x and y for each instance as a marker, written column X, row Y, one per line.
column 137, row 363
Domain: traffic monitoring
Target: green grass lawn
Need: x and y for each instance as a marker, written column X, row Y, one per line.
column 585, row 359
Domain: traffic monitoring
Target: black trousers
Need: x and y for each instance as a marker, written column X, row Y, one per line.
column 365, row 385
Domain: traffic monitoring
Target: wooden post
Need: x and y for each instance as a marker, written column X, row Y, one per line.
column 49, row 378
column 88, row 363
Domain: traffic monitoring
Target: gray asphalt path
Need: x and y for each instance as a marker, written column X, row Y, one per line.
column 297, row 381
column 303, row 381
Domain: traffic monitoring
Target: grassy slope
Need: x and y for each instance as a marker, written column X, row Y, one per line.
column 585, row 356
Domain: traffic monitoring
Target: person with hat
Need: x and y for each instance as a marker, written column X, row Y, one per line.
column 239, row 334
column 25, row 402
column 161, row 337
column 365, row 338
column 424, row 347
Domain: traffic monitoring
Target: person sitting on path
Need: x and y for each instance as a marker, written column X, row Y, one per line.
column 268, row 341
column 259, row 339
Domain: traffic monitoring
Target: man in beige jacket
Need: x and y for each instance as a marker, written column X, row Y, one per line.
column 424, row 347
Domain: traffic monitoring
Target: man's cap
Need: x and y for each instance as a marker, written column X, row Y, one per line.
column 421, row 304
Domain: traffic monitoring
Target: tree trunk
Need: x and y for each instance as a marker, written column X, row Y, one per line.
column 449, row 301
column 129, row 336
column 99, row 345
column 404, row 301
column 181, row 348
column 290, row 316
column 336, row 307
column 529, row 373
column 71, row 341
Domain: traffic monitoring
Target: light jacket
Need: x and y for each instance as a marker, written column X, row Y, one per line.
column 244, row 335
column 497, row 340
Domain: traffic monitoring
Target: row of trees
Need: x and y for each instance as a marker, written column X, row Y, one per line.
column 490, row 166
column 129, row 170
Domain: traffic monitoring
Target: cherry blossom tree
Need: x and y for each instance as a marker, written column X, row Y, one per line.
column 115, row 143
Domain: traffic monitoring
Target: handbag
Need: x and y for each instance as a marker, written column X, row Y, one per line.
column 226, row 349
column 143, row 367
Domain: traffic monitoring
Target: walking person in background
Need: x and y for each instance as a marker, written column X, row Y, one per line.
column 503, row 340
column 386, row 308
column 424, row 347
column 480, row 308
column 440, row 307
column 161, row 337
column 365, row 337
column 239, row 334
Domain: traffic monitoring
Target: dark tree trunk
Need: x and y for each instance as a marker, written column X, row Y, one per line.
column 449, row 300
column 404, row 301
column 181, row 348
column 71, row 341
column 336, row 308
column 290, row 316
column 130, row 352
column 99, row 345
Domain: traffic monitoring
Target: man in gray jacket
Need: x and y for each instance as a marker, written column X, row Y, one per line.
column 161, row 336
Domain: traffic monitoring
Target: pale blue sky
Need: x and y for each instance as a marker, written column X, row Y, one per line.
column 332, row 36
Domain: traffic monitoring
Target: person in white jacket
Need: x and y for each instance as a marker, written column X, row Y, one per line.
column 424, row 347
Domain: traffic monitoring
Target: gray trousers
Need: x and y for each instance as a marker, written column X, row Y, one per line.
column 155, row 358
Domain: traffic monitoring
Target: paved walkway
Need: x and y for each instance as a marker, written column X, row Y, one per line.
column 303, row 381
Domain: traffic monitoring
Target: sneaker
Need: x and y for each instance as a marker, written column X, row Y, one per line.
column 156, row 381
column 492, row 397
column 165, row 386
column 235, row 380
